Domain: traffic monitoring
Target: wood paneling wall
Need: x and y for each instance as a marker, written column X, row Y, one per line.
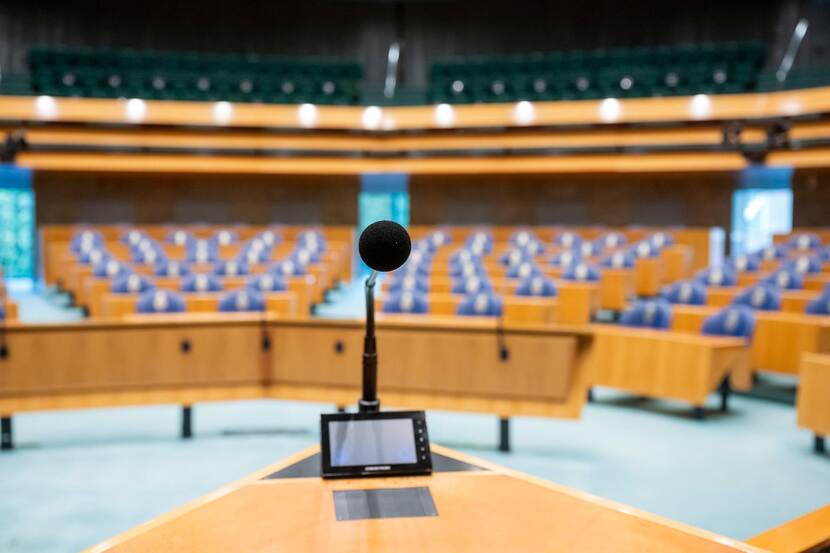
column 649, row 199
column 67, row 198
column 811, row 198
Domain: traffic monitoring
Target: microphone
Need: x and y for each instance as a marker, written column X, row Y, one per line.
column 384, row 246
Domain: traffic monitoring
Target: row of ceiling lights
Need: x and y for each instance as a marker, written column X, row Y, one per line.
column 372, row 118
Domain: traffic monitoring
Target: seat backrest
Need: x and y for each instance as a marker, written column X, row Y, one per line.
column 131, row 283
column 411, row 282
column 242, row 300
column 688, row 292
column 86, row 240
column 110, row 268
column 202, row 251
column 568, row 239
column 761, row 296
column 717, row 276
column 735, row 320
column 744, row 263
column 819, row 305
column 805, row 263
column 288, row 268
column 266, row 282
column 523, row 270
column 653, row 313
column 581, row 272
column 804, row 241
column 180, row 237
column 160, row 301
column 618, row 260
column 231, row 268
column 481, row 304
column 406, row 302
column 786, row 279
column 471, row 285
column 169, row 268
column 201, row 282
column 536, row 285
column 612, row 240
column 565, row 259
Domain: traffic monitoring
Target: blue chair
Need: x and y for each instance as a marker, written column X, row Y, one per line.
column 471, row 285
column 201, row 283
column 591, row 248
column 568, row 239
column 464, row 255
column 255, row 252
column 439, row 239
column 202, row 251
column 305, row 256
column 424, row 245
column 735, row 320
column 230, row 268
column 717, row 276
column 645, row 249
column 479, row 243
column 148, row 255
column 654, row 313
column 565, row 259
column 612, row 240
column 241, row 300
column 168, row 268
column 160, row 301
column 180, row 237
column 522, row 237
column 269, row 237
column 420, row 257
column 618, row 260
column 86, row 240
column 820, row 305
column 288, row 268
column 523, row 270
column 581, row 272
column 132, row 283
column 267, row 282
column 760, row 296
column 804, row 241
column 133, row 237
column 311, row 240
column 2, row 312
column 786, row 279
column 409, row 283
column 824, row 253
column 484, row 304
column 514, row 256
column 465, row 270
column 406, row 302
column 744, row 263
column 110, row 268
column 774, row 252
column 689, row 292
column 533, row 248
column 225, row 237
column 660, row 240
column 804, row 264
column 537, row 286
column 418, row 270
column 93, row 256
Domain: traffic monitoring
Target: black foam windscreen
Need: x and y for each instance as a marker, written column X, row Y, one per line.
column 384, row 246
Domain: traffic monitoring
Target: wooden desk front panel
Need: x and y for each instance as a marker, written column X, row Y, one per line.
column 77, row 358
column 665, row 364
column 318, row 355
column 814, row 394
column 468, row 363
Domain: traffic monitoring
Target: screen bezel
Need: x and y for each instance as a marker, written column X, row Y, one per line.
column 421, row 467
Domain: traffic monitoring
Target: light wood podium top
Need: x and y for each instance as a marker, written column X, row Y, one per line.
column 479, row 511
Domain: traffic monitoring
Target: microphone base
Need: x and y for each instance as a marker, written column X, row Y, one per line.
column 368, row 406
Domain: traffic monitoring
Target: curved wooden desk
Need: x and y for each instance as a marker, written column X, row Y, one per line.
column 481, row 507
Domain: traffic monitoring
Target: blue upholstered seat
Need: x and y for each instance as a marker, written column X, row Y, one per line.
column 653, row 313
column 618, row 260
column 819, row 305
column 201, row 283
column 717, row 276
column 267, row 282
column 785, row 279
column 536, row 285
column 582, row 272
column 244, row 299
column 761, row 296
column 131, row 283
column 406, row 302
column 160, row 301
column 689, row 292
column 168, row 268
column 735, row 320
column 480, row 304
column 804, row 241
column 231, row 268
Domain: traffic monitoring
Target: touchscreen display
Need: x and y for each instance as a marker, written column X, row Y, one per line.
column 372, row 442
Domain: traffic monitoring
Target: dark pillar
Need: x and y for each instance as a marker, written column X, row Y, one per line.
column 504, row 434
column 187, row 421
column 590, row 395
column 698, row 413
column 341, row 408
column 6, row 442
column 818, row 443
column 725, row 391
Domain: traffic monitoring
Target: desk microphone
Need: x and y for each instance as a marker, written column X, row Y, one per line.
column 384, row 246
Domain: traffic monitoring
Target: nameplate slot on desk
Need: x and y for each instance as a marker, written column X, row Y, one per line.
column 384, row 503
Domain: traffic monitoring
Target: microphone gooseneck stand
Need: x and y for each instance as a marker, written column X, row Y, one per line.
column 369, row 403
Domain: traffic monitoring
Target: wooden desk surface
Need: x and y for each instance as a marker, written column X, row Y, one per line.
column 802, row 534
column 482, row 511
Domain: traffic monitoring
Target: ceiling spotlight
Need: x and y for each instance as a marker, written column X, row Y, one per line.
column 135, row 109
column 609, row 110
column 700, row 106
column 524, row 113
column 222, row 112
column 372, row 117
column 444, row 115
column 307, row 115
column 46, row 107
